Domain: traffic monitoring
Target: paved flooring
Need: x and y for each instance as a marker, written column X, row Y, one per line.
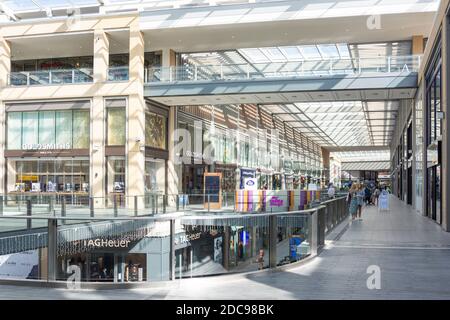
column 412, row 252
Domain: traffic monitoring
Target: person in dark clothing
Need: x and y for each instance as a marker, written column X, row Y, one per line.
column 368, row 195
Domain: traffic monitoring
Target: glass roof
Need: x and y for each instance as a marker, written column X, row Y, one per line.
column 296, row 53
column 359, row 156
column 346, row 123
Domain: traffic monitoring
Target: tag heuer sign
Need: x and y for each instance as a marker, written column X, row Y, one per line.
column 45, row 146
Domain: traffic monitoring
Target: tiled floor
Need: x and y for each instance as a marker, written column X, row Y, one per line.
column 412, row 252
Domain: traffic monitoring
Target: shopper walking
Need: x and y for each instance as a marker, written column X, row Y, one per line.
column 376, row 195
column 360, row 200
column 367, row 195
column 352, row 200
column 331, row 191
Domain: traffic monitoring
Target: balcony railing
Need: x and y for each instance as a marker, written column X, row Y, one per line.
column 118, row 73
column 47, row 77
column 291, row 69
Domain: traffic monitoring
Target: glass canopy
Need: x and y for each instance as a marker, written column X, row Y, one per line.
column 336, row 123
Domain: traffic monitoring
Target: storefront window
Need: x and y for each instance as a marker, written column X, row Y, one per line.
column 155, row 176
column 116, row 175
column 155, row 130
column 30, row 128
column 14, row 130
column 48, row 175
column 116, row 126
column 46, row 127
column 80, row 129
column 68, row 129
column 63, row 127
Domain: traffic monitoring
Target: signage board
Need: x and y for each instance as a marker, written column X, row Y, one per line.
column 246, row 173
column 45, row 146
column 212, row 190
column 251, row 184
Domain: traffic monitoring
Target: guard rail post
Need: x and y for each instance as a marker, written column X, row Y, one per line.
column 273, row 232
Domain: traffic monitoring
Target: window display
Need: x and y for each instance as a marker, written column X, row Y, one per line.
column 116, row 175
column 155, row 176
column 48, row 175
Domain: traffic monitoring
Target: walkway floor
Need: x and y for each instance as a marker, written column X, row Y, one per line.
column 413, row 254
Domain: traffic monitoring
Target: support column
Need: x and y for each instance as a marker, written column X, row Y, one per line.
column 5, row 69
column 226, row 247
column 98, row 114
column 445, row 195
column 101, row 55
column 173, row 165
column 97, row 152
column 313, row 225
column 135, row 147
column 51, row 249
column 326, row 165
column 417, row 45
column 273, row 239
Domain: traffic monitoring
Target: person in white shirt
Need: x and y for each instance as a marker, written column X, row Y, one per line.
column 331, row 191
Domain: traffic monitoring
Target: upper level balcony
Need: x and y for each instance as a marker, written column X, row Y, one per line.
column 381, row 78
column 49, row 77
column 380, row 66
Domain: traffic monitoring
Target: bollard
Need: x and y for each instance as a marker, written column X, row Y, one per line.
column 135, row 206
column 115, row 205
column 29, row 213
column 91, row 206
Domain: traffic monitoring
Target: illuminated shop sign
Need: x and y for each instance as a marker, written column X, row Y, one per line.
column 45, row 146
column 187, row 238
column 106, row 243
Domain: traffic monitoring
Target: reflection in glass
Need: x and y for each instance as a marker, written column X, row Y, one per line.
column 116, row 126
column 80, row 129
column 14, row 130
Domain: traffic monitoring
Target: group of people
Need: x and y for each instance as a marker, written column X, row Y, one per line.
column 360, row 195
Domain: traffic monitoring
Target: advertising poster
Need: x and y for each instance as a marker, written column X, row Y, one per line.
column 218, row 250
column 21, row 265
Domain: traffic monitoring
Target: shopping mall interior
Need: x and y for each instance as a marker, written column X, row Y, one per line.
column 157, row 142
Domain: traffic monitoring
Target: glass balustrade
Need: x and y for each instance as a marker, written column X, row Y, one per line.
column 304, row 68
column 48, row 77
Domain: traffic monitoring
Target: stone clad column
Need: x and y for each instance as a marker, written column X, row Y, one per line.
column 101, row 55
column 135, row 147
column 98, row 114
column 173, row 168
column 417, row 45
column 5, row 69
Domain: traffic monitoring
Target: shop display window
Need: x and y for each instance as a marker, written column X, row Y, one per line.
column 155, row 176
column 116, row 118
column 116, row 175
column 48, row 175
